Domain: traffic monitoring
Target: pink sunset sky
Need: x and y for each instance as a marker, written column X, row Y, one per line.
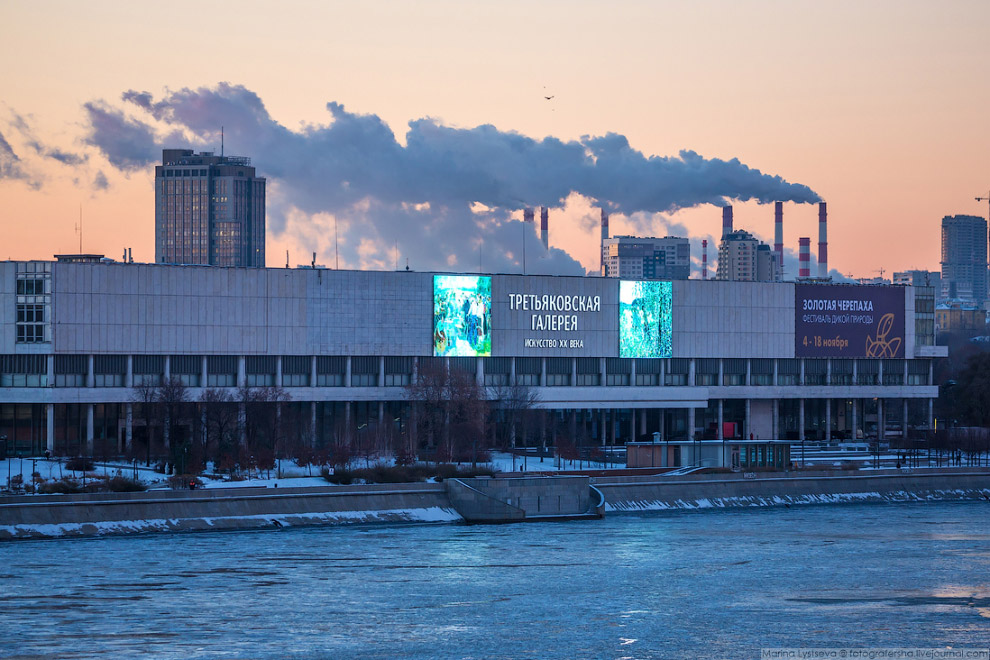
column 438, row 131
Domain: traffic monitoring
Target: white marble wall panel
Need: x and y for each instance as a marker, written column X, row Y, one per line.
column 147, row 308
column 733, row 319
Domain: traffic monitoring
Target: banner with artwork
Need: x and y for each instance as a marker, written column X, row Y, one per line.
column 462, row 316
column 645, row 319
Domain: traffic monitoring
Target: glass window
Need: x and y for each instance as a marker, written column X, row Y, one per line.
column 329, row 380
column 364, row 380
column 70, row 380
column 492, row 379
column 588, row 379
column 617, row 379
column 260, row 380
column 733, row 379
column 531, row 380
column 221, row 380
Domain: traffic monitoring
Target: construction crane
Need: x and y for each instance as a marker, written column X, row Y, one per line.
column 985, row 199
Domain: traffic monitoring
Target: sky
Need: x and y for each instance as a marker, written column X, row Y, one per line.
column 395, row 132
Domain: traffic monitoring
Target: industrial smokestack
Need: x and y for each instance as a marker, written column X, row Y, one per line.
column 804, row 269
column 528, row 215
column 544, row 227
column 704, row 259
column 604, row 236
column 778, row 236
column 822, row 241
column 726, row 221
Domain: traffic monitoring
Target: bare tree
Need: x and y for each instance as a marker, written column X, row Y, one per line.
column 450, row 411
column 467, row 417
column 263, row 422
column 341, row 446
column 145, row 394
column 513, row 405
column 220, row 412
column 172, row 397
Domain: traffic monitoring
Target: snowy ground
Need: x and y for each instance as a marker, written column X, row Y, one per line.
column 293, row 476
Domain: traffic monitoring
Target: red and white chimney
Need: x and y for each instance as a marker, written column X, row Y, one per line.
column 726, row 221
column 544, row 227
column 778, row 236
column 704, row 259
column 822, row 241
column 804, row 266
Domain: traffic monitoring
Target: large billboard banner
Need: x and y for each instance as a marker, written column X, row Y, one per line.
column 554, row 316
column 462, row 316
column 848, row 321
column 645, row 319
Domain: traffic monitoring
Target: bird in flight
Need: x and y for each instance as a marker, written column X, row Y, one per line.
column 548, row 97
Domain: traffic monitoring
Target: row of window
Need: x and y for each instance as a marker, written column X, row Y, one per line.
column 31, row 287
column 365, row 364
column 110, row 370
column 401, row 380
column 197, row 172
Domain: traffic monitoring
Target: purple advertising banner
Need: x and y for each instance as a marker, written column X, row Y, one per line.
column 848, row 321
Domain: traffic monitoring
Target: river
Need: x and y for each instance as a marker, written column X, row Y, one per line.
column 706, row 584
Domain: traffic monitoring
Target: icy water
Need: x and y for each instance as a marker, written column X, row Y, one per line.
column 711, row 584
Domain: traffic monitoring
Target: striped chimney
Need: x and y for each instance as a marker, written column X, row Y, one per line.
column 704, row 259
column 726, row 220
column 778, row 235
column 544, row 227
column 804, row 269
column 822, row 241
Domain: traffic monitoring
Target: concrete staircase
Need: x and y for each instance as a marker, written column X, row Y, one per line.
column 525, row 499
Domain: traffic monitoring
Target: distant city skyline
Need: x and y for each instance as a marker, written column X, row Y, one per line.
column 834, row 102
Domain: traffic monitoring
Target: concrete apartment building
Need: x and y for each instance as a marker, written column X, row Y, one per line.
column 744, row 258
column 647, row 258
column 208, row 210
column 610, row 359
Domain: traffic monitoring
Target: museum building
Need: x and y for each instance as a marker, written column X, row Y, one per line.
column 609, row 360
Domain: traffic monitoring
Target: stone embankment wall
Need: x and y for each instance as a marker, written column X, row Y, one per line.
column 227, row 508
column 477, row 500
column 776, row 489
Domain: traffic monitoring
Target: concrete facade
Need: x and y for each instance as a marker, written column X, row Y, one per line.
column 343, row 344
